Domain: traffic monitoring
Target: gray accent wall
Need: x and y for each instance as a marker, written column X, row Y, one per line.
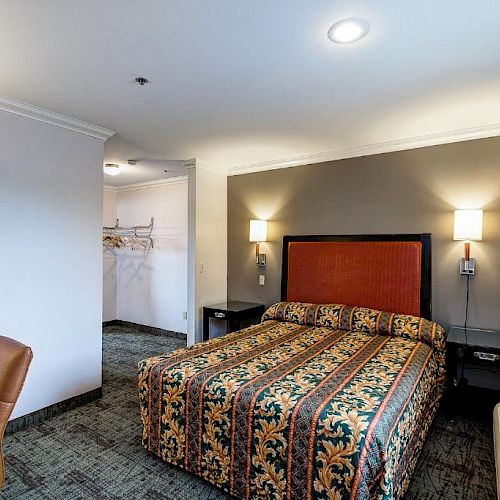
column 412, row 191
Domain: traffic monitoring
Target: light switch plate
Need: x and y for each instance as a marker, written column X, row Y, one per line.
column 262, row 279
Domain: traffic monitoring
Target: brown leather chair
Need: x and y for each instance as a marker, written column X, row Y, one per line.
column 15, row 359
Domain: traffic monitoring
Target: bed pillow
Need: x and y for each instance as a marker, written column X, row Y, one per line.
column 359, row 319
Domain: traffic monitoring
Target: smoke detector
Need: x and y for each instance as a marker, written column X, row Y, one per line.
column 141, row 80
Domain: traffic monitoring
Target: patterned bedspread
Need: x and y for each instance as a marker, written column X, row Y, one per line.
column 318, row 401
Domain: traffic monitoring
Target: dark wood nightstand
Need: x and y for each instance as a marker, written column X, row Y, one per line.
column 236, row 313
column 473, row 366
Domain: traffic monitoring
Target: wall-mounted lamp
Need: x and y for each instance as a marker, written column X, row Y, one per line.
column 468, row 227
column 258, row 234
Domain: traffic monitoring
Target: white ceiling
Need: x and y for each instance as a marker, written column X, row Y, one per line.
column 236, row 82
column 147, row 168
column 145, row 171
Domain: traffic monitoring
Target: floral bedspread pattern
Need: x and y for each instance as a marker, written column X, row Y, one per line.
column 318, row 401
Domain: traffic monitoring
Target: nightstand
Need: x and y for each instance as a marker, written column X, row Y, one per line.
column 237, row 314
column 473, row 366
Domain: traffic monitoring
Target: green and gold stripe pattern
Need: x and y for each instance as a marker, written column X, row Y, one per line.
column 318, row 401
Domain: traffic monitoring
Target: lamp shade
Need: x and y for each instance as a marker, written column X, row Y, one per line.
column 468, row 225
column 258, row 230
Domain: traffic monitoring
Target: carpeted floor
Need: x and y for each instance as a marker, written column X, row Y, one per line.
column 95, row 452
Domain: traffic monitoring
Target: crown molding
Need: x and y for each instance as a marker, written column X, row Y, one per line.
column 203, row 165
column 44, row 115
column 421, row 141
column 148, row 184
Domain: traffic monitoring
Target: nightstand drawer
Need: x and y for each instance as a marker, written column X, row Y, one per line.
column 482, row 368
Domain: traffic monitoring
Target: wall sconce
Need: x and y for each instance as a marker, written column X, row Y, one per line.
column 468, row 227
column 258, row 234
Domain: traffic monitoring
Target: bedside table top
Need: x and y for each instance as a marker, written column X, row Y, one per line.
column 474, row 337
column 234, row 306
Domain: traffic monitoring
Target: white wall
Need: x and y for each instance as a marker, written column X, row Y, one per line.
column 191, row 268
column 152, row 285
column 207, row 244
column 51, row 257
column 109, row 307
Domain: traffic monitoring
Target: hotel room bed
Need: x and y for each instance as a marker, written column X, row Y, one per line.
column 321, row 400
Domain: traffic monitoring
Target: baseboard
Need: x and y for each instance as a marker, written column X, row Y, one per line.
column 145, row 328
column 51, row 411
column 112, row 322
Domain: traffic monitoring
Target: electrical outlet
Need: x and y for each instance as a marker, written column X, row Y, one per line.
column 185, row 315
column 262, row 279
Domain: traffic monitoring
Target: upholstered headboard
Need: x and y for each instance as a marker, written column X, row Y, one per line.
column 385, row 272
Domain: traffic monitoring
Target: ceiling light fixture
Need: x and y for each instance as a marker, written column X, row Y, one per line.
column 112, row 168
column 348, row 30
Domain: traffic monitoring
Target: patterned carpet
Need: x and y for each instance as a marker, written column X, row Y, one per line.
column 95, row 452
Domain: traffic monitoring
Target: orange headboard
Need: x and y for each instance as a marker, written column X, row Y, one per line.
column 385, row 272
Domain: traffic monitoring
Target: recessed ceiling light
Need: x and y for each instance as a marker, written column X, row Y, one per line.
column 348, row 30
column 112, row 168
